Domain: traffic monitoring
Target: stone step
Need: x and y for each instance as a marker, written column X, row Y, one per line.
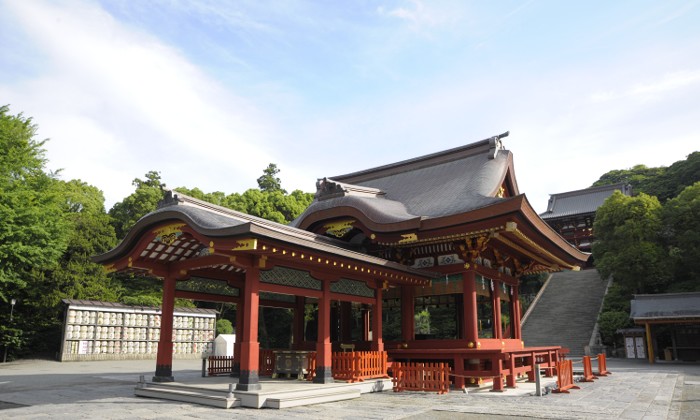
column 294, row 399
column 567, row 311
column 198, row 396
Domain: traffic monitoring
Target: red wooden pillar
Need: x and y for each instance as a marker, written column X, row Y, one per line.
column 515, row 312
column 365, row 323
column 298, row 327
column 250, row 348
column 377, row 342
column 496, row 299
column 408, row 315
column 470, row 328
column 324, row 353
column 236, row 371
column 164, row 361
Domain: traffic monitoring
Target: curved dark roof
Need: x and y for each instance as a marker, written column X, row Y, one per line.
column 581, row 202
column 216, row 221
column 437, row 185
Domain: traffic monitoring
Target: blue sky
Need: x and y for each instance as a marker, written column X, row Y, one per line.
column 210, row 92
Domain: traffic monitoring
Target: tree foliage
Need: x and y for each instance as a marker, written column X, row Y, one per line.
column 142, row 201
column 269, row 202
column 628, row 245
column 269, row 181
column 33, row 235
column 681, row 219
column 662, row 182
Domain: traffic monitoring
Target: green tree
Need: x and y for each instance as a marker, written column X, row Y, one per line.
column 90, row 233
column 269, row 180
column 142, row 201
column 33, row 232
column 676, row 178
column 681, row 218
column 662, row 182
column 628, row 244
column 33, row 235
column 640, row 177
column 269, row 202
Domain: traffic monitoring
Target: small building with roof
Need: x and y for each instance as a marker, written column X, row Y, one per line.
column 672, row 324
column 572, row 213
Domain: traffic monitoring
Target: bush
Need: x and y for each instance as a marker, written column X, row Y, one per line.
column 224, row 326
column 610, row 322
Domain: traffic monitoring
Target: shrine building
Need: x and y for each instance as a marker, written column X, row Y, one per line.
column 414, row 260
column 572, row 213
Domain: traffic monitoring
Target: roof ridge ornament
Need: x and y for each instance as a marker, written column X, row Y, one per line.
column 170, row 199
column 328, row 188
column 495, row 144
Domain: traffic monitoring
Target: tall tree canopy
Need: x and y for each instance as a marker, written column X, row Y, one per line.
column 270, row 201
column 628, row 243
column 33, row 234
column 142, row 201
column 681, row 219
column 269, row 181
column 662, row 182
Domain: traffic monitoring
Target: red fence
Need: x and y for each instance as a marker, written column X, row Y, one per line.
column 565, row 377
column 429, row 377
column 219, row 365
column 354, row 366
column 359, row 365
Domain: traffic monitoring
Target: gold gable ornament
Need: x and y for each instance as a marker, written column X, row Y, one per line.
column 168, row 234
column 339, row 229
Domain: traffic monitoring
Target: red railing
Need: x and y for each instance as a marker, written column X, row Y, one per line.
column 429, row 377
column 354, row 366
column 219, row 365
column 565, row 377
column 359, row 365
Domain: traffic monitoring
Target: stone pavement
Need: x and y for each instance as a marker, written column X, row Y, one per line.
column 32, row 389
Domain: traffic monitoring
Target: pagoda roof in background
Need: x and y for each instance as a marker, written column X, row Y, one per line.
column 581, row 202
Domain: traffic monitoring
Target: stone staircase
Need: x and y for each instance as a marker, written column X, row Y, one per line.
column 566, row 312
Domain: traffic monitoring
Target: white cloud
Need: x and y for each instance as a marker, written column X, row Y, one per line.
column 117, row 102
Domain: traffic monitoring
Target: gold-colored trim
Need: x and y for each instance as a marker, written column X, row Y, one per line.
column 169, row 234
column 446, row 238
column 532, row 243
column 340, row 228
column 246, row 245
column 408, row 238
column 110, row 268
column 522, row 250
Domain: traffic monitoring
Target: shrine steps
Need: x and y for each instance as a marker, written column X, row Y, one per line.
column 274, row 394
column 189, row 394
column 566, row 312
column 294, row 399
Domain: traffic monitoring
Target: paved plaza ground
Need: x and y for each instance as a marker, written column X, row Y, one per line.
column 31, row 389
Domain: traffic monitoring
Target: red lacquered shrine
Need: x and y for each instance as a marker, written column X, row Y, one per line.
column 426, row 252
